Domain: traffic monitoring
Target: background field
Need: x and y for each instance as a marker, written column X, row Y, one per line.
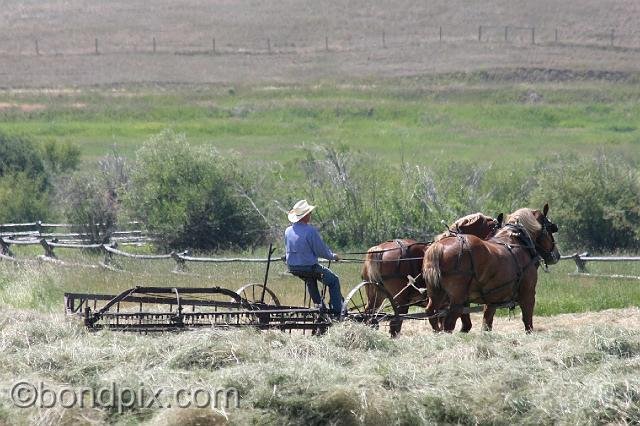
column 66, row 32
column 413, row 120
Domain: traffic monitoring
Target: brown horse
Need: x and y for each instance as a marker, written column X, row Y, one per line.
column 389, row 263
column 465, row 269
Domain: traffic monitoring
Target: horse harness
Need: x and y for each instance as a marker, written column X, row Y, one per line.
column 527, row 243
column 404, row 248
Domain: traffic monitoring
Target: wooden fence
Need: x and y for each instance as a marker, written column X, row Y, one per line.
column 35, row 234
column 18, row 233
column 582, row 259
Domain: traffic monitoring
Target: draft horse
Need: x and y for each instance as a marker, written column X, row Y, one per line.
column 465, row 269
column 388, row 264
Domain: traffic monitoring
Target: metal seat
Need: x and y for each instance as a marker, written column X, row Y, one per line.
column 307, row 275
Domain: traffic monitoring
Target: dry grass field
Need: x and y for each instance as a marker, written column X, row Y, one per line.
column 295, row 32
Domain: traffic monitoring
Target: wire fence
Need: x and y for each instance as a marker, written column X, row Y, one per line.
column 209, row 44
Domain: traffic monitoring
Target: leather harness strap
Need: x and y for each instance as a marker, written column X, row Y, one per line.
column 528, row 243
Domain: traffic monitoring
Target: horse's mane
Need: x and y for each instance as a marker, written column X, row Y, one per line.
column 526, row 218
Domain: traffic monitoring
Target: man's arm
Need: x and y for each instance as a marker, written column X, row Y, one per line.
column 319, row 247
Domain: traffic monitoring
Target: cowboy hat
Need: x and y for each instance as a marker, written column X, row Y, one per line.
column 300, row 210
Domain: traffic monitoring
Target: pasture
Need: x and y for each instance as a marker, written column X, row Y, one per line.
column 467, row 117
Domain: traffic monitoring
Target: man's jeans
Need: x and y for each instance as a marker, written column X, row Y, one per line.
column 330, row 279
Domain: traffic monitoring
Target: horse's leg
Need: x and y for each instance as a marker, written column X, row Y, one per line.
column 396, row 324
column 466, row 322
column 435, row 322
column 455, row 309
column 374, row 299
column 526, row 306
column 451, row 319
column 487, row 317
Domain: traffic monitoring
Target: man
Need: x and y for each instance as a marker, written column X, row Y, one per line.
column 304, row 246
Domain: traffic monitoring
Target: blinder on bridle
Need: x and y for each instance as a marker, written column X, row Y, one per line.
column 548, row 228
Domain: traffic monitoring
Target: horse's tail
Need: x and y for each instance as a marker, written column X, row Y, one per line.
column 431, row 267
column 371, row 268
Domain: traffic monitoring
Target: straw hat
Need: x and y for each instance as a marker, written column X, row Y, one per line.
column 300, row 210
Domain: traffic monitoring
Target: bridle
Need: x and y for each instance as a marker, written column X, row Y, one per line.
column 548, row 228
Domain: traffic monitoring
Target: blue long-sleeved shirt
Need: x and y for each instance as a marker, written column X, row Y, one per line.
column 304, row 245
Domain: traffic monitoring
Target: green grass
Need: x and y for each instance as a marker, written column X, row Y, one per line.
column 424, row 119
column 42, row 287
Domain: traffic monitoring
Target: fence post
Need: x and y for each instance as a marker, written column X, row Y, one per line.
column 480, row 33
column 613, row 32
column 506, row 33
column 39, row 227
column 581, row 264
column 108, row 256
column 180, row 263
column 533, row 35
column 4, row 248
column 96, row 44
column 326, row 43
column 384, row 40
column 37, row 48
column 269, row 44
column 213, row 45
column 556, row 35
column 154, row 45
column 441, row 34
column 48, row 250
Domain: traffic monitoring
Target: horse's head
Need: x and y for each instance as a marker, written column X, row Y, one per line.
column 540, row 230
column 545, row 243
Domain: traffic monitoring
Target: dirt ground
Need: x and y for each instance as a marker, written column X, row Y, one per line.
column 628, row 318
column 299, row 41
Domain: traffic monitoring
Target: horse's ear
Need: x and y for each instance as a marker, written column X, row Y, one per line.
column 545, row 209
column 499, row 219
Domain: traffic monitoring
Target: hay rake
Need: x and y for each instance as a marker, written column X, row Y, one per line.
column 152, row 309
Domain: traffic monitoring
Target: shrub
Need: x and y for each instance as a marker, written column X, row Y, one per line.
column 594, row 201
column 366, row 200
column 21, row 155
column 90, row 199
column 191, row 197
column 22, row 198
column 60, row 157
column 26, row 176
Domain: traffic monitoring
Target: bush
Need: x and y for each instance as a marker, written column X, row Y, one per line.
column 365, row 200
column 60, row 157
column 91, row 198
column 26, row 176
column 21, row 155
column 594, row 201
column 191, row 197
column 22, row 198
